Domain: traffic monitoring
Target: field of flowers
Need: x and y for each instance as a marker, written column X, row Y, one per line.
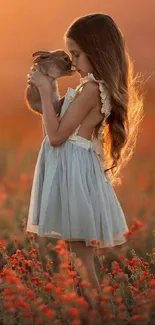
column 38, row 284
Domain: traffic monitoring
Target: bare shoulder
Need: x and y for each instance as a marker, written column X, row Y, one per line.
column 91, row 91
column 91, row 85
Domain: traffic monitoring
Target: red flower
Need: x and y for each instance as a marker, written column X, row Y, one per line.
column 58, row 290
column 31, row 237
column 38, row 301
column 21, row 287
column 48, row 287
column 22, row 304
column 7, row 292
column 3, row 197
column 1, row 245
column 103, row 268
column 73, row 312
column 104, row 298
column 108, row 289
column 9, row 305
column 118, row 300
column 30, row 294
column 146, row 273
column 12, row 279
column 16, row 241
column 135, row 317
column 23, row 179
column 18, row 251
column 115, row 286
column 133, row 261
column 127, row 233
column 137, row 224
column 43, row 307
column 146, row 264
column 80, row 301
column 152, row 283
column 50, row 313
column 133, row 289
column 28, row 314
column 121, row 257
column 93, row 241
column 32, row 251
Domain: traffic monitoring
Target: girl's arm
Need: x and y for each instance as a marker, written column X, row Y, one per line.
column 58, row 105
column 59, row 131
column 57, row 110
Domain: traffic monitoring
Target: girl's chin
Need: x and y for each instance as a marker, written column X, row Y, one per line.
column 82, row 74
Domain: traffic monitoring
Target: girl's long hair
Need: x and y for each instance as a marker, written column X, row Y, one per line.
column 103, row 43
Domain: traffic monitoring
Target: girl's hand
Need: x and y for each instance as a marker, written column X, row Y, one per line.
column 37, row 78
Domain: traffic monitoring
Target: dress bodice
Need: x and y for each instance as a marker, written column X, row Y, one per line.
column 70, row 94
column 95, row 143
column 105, row 100
column 68, row 97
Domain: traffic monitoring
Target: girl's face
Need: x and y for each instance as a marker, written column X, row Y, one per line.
column 79, row 58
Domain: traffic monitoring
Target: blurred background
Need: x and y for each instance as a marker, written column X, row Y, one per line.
column 27, row 26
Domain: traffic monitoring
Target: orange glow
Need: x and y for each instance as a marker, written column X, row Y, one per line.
column 26, row 26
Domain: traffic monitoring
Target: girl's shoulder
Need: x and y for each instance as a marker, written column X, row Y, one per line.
column 73, row 92
column 104, row 94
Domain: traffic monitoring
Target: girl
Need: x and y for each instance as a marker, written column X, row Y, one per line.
column 72, row 194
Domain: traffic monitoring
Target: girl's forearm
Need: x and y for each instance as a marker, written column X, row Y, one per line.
column 50, row 118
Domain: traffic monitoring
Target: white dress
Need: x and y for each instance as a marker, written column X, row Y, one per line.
column 71, row 197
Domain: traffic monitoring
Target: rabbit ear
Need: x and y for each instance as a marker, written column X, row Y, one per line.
column 42, row 53
column 36, row 60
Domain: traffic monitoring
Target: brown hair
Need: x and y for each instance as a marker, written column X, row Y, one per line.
column 103, row 43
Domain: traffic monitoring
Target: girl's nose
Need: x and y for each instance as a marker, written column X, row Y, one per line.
column 74, row 65
column 73, row 62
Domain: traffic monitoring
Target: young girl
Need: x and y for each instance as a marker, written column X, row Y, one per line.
column 85, row 147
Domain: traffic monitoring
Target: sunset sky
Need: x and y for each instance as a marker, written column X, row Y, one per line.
column 27, row 26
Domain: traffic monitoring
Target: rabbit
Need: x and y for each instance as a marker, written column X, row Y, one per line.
column 54, row 64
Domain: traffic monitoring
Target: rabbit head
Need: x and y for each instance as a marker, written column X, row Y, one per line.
column 54, row 64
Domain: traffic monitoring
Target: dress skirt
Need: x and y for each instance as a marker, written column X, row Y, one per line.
column 72, row 199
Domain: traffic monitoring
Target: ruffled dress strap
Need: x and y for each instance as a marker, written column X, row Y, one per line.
column 105, row 98
column 97, row 142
